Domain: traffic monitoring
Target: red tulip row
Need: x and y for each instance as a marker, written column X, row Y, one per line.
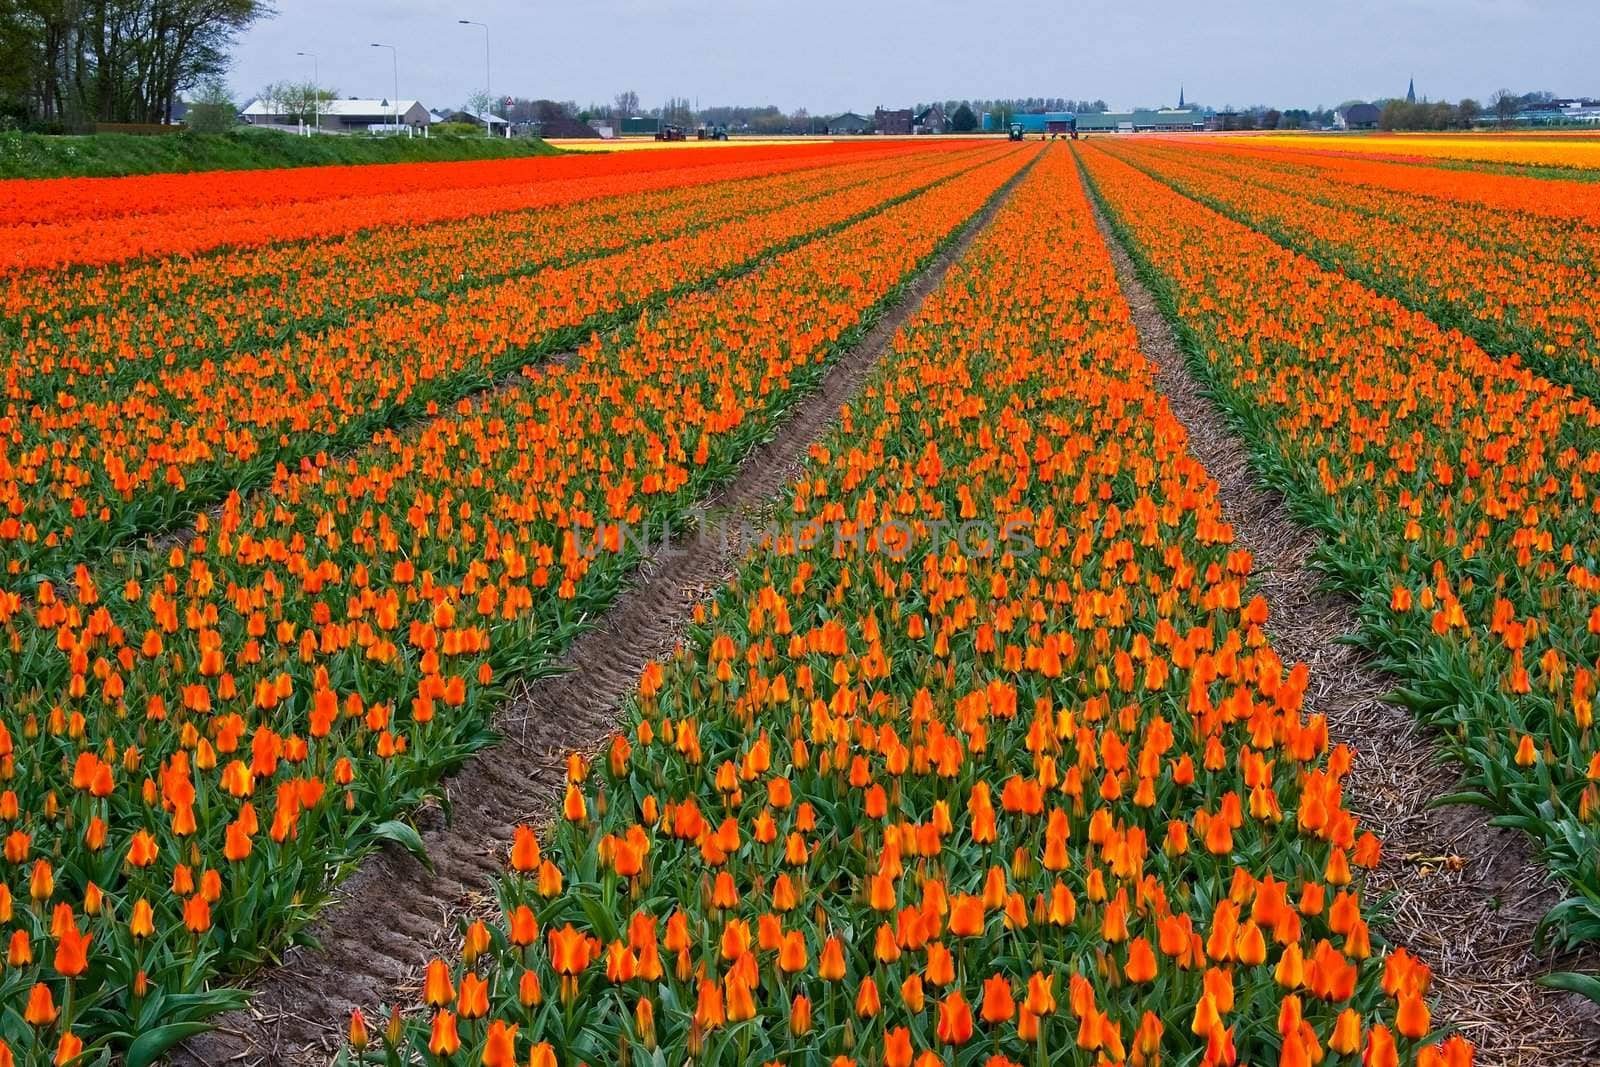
column 89, row 221
column 982, row 757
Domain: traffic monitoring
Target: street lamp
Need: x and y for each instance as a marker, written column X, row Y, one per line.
column 316, row 92
column 394, row 54
column 488, row 89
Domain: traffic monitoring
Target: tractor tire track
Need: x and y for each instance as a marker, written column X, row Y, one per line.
column 393, row 915
column 1462, row 895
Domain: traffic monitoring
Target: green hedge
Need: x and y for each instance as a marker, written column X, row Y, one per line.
column 37, row 155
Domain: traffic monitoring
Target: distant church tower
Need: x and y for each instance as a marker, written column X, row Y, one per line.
column 1180, row 97
column 1411, row 91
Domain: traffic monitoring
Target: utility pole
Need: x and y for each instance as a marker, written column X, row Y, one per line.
column 394, row 102
column 316, row 91
column 488, row 89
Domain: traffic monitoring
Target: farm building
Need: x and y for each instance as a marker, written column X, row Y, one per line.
column 640, row 124
column 1358, row 117
column 897, row 121
column 849, row 122
column 930, row 120
column 345, row 116
column 1146, row 120
column 1561, row 112
column 472, row 118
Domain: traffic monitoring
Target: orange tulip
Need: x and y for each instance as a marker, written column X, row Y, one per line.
column 998, row 1005
column 473, row 997
column 1380, row 1050
column 443, row 1039
column 831, row 967
column 72, row 952
column 437, row 990
column 500, row 1045
column 897, row 1047
column 955, row 1020
column 800, row 1015
column 41, row 1009
column 1412, row 1019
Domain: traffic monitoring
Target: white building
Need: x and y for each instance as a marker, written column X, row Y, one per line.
column 344, row 116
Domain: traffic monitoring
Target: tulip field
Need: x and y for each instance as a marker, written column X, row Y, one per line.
column 982, row 753
column 1454, row 470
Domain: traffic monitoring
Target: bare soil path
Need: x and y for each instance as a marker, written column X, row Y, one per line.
column 393, row 915
column 1462, row 895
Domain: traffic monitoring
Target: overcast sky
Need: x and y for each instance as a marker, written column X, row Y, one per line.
column 836, row 55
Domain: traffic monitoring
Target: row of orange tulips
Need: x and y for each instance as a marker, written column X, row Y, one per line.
column 193, row 740
column 1513, row 282
column 1457, row 492
column 104, row 458
column 90, row 221
column 982, row 758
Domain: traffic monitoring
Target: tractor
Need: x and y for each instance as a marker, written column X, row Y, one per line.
column 1016, row 131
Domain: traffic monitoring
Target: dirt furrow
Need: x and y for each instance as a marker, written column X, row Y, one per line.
column 1461, row 894
column 391, row 916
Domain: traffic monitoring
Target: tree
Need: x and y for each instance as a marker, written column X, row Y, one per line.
column 479, row 104
column 1427, row 115
column 1506, row 104
column 677, row 110
column 1467, row 112
column 295, row 101
column 627, row 104
column 82, row 61
column 963, row 121
column 86, row 61
column 212, row 109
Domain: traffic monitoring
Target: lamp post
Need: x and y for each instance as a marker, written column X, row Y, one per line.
column 488, row 89
column 316, row 91
column 394, row 54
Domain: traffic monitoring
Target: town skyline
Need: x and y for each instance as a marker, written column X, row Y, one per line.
column 717, row 52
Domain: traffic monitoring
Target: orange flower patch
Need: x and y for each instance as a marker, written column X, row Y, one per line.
column 1457, row 493
column 1514, row 282
column 870, row 819
column 195, row 735
column 197, row 408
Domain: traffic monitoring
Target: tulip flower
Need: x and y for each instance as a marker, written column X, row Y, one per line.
column 955, row 1020
column 72, row 951
column 998, row 1005
column 500, row 1045
column 444, row 1040
column 41, row 1009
